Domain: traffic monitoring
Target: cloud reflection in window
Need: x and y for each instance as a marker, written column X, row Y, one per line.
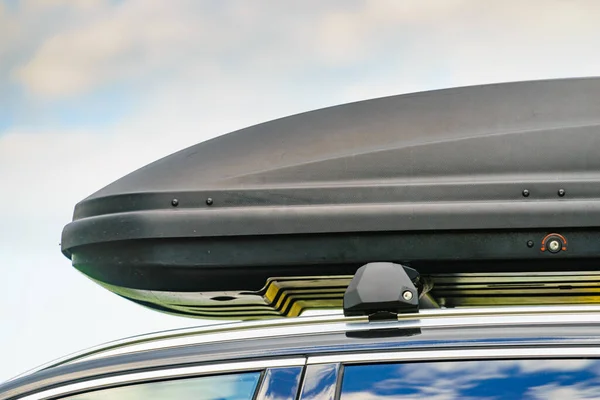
column 493, row 379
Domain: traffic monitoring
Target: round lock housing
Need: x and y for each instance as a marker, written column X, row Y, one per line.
column 554, row 243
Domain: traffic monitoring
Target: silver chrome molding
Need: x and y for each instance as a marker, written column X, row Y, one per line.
column 471, row 354
column 332, row 324
column 163, row 374
column 335, row 322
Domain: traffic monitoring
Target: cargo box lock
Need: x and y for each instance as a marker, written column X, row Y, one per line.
column 554, row 243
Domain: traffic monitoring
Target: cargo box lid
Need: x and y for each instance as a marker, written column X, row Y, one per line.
column 475, row 179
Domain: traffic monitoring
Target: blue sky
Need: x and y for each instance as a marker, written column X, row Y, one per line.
column 93, row 89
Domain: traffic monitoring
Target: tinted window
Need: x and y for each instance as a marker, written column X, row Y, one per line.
column 320, row 382
column 511, row 379
column 219, row 387
column 280, row 383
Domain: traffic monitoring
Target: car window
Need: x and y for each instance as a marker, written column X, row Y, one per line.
column 493, row 379
column 217, row 387
column 280, row 383
column 320, row 382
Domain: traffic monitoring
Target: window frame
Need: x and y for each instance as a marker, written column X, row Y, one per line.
column 163, row 375
column 437, row 355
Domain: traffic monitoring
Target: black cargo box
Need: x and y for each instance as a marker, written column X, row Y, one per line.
column 467, row 180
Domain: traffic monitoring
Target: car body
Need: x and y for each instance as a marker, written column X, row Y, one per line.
column 322, row 357
column 448, row 241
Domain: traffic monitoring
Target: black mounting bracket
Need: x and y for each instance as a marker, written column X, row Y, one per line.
column 382, row 290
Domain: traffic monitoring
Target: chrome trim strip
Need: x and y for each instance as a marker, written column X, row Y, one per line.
column 162, row 374
column 471, row 354
column 299, row 325
column 333, row 325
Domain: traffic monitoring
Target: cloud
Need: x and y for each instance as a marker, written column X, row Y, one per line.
column 371, row 396
column 42, row 4
column 109, row 47
column 554, row 391
column 52, row 309
column 441, row 380
column 476, row 378
column 318, row 383
column 141, row 42
column 234, row 386
column 52, row 170
column 533, row 366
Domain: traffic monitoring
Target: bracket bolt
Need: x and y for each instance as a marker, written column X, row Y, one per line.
column 407, row 295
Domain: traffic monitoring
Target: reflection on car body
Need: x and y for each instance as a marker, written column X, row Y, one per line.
column 231, row 386
column 485, row 355
column 506, row 379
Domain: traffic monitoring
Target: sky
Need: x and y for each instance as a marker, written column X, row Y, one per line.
column 93, row 89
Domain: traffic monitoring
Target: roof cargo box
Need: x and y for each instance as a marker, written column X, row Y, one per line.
column 272, row 219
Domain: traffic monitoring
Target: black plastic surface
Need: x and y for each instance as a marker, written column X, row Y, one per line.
column 380, row 288
column 246, row 263
column 467, row 174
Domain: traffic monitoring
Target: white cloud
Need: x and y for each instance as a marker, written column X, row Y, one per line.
column 459, row 41
column 443, row 379
column 457, row 379
column 553, row 391
column 316, row 376
column 50, row 309
column 533, row 366
column 41, row 4
column 91, row 54
column 372, row 396
column 53, row 170
column 8, row 29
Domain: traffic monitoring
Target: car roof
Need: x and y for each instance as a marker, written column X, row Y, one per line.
column 324, row 336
